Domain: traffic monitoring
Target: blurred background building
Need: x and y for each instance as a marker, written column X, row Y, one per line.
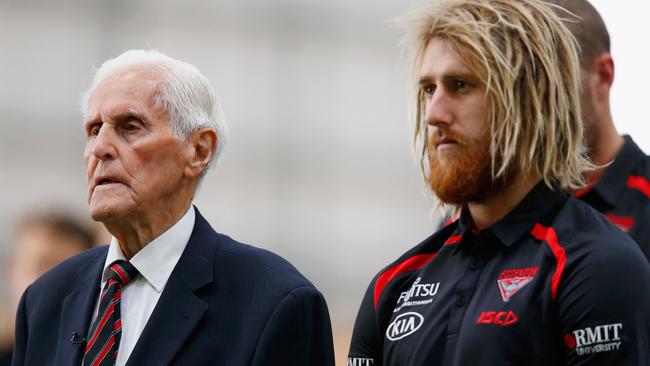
column 319, row 166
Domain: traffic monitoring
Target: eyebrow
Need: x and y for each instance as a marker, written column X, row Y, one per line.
column 91, row 120
column 130, row 113
column 453, row 75
column 121, row 116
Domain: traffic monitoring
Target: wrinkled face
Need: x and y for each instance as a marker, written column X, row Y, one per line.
column 456, row 114
column 134, row 162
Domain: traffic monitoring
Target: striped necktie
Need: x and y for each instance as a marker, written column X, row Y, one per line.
column 102, row 346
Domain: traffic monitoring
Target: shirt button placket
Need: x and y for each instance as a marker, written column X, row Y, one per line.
column 465, row 289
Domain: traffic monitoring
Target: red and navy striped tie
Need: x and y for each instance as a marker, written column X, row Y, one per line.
column 101, row 349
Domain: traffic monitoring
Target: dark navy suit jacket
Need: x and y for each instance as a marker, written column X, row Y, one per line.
column 225, row 303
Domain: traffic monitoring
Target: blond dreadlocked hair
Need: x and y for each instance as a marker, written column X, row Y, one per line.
column 527, row 61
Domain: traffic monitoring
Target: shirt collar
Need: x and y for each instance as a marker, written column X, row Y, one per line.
column 535, row 205
column 612, row 183
column 157, row 259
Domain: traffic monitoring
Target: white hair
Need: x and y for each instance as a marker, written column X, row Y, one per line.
column 184, row 92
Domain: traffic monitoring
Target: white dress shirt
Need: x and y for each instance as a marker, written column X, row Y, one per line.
column 155, row 263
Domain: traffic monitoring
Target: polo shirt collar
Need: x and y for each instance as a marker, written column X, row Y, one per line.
column 613, row 181
column 535, row 205
column 156, row 260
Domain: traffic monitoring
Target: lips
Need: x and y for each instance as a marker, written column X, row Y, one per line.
column 105, row 180
column 443, row 141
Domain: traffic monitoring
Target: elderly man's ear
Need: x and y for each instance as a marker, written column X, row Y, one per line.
column 202, row 145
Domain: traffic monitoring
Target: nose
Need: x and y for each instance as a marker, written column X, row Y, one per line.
column 102, row 146
column 438, row 108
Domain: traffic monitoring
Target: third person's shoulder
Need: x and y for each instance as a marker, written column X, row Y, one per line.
column 589, row 238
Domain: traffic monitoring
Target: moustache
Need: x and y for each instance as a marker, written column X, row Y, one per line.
column 439, row 136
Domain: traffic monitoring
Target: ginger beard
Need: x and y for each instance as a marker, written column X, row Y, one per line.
column 463, row 174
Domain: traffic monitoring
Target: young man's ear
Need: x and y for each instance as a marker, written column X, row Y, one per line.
column 203, row 144
column 604, row 68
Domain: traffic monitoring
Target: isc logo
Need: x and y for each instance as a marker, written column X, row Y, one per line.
column 503, row 318
column 404, row 325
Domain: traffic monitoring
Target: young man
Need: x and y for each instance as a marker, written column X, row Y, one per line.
column 621, row 190
column 528, row 275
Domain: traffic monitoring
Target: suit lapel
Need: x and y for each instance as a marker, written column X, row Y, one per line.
column 178, row 310
column 76, row 313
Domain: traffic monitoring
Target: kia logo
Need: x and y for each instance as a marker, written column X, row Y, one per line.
column 404, row 325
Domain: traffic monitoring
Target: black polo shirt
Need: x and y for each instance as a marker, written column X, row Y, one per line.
column 623, row 193
column 552, row 283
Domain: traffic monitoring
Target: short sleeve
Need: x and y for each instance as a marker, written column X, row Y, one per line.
column 365, row 347
column 604, row 307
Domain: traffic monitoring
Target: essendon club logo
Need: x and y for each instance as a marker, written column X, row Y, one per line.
column 512, row 280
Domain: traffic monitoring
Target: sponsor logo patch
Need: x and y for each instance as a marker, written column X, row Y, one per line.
column 512, row 280
column 503, row 318
column 418, row 294
column 404, row 325
column 590, row 340
column 360, row 361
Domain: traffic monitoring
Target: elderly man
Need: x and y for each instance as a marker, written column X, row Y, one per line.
column 528, row 274
column 621, row 190
column 168, row 289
